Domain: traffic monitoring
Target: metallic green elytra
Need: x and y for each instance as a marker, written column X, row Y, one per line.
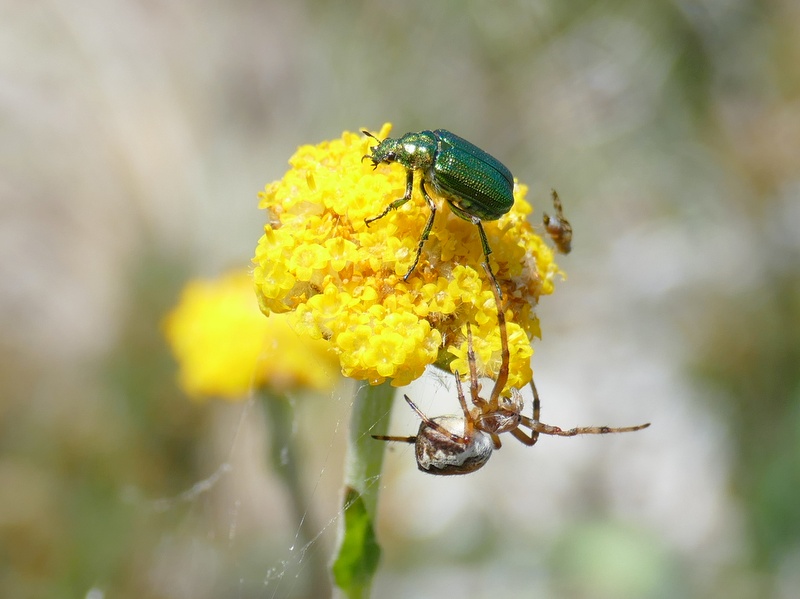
column 476, row 185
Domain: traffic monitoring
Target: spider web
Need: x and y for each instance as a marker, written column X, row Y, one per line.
column 242, row 530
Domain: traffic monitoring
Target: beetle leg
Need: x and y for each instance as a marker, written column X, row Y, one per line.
column 397, row 203
column 428, row 226
column 486, row 251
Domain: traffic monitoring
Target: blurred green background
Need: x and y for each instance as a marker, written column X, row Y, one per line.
column 135, row 137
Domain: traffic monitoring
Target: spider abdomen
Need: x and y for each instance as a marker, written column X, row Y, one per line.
column 438, row 453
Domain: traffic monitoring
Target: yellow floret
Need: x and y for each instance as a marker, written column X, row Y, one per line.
column 225, row 347
column 340, row 280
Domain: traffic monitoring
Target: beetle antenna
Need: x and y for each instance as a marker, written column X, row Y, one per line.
column 368, row 134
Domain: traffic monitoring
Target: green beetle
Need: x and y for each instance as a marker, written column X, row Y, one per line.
column 476, row 185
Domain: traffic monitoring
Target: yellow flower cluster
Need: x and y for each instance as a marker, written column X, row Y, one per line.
column 342, row 281
column 225, row 347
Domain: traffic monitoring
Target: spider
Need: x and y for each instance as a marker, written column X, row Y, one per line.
column 448, row 445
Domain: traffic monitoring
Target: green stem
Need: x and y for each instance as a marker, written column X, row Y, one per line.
column 358, row 553
column 364, row 459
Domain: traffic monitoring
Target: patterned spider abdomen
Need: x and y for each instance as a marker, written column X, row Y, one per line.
column 438, row 453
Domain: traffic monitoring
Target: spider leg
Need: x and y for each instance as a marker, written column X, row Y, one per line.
column 400, row 439
column 409, row 439
column 519, row 434
column 527, row 440
column 546, row 429
column 537, row 407
column 502, row 375
column 436, row 426
column 469, row 425
column 474, row 385
column 536, row 404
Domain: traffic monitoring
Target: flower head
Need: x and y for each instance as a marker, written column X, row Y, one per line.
column 225, row 347
column 342, row 281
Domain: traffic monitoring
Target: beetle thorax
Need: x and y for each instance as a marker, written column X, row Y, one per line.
column 417, row 157
column 414, row 151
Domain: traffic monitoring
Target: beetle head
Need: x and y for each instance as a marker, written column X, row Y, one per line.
column 385, row 151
